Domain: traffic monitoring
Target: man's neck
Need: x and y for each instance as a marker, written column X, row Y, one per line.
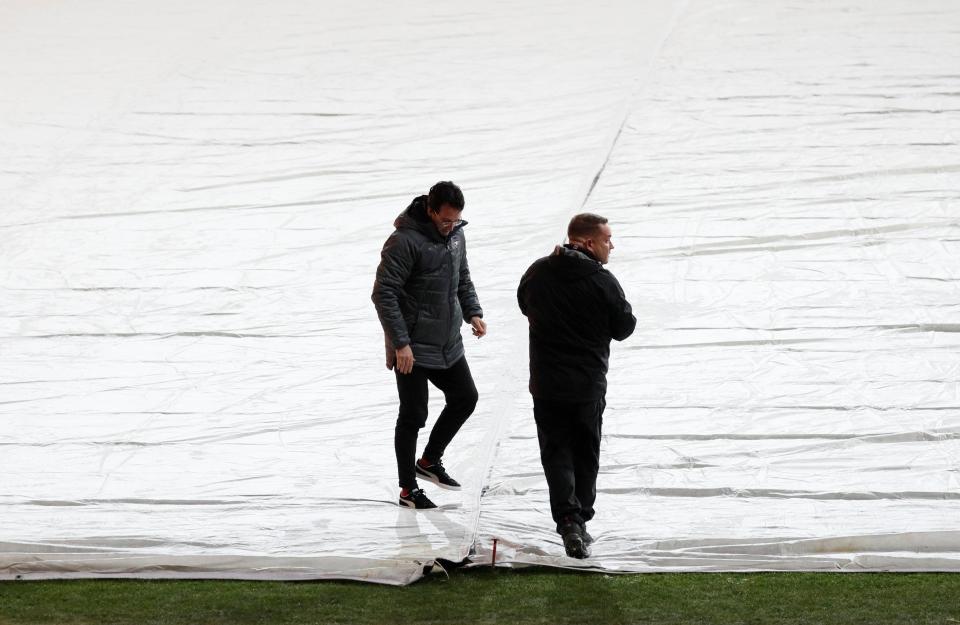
column 579, row 247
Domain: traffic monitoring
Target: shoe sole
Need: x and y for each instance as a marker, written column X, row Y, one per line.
column 435, row 480
column 412, row 506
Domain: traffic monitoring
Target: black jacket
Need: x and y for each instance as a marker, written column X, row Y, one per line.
column 423, row 291
column 575, row 307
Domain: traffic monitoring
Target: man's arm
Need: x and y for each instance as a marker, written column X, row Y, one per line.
column 622, row 321
column 522, row 288
column 466, row 293
column 396, row 263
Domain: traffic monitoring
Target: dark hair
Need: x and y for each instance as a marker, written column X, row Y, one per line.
column 445, row 192
column 584, row 225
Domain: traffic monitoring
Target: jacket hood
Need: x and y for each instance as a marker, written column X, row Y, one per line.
column 573, row 264
column 414, row 217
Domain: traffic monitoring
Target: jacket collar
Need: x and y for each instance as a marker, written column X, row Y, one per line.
column 415, row 218
column 569, row 249
column 573, row 264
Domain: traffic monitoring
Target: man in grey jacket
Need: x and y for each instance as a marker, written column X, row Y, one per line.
column 423, row 293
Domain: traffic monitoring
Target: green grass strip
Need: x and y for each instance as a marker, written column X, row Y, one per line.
column 499, row 596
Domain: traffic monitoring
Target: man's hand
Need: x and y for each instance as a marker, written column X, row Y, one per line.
column 405, row 360
column 479, row 326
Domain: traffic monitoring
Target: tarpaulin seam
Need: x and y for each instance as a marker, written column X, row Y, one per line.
column 511, row 370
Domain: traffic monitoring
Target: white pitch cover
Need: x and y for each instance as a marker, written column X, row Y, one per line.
column 193, row 197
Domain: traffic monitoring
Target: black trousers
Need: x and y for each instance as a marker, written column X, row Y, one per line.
column 569, row 435
column 460, row 393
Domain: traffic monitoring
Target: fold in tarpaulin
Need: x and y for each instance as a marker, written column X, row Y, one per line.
column 192, row 204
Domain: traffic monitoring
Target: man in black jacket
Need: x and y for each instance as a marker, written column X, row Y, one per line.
column 574, row 307
column 423, row 293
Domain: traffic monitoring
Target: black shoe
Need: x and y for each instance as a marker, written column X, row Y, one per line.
column 587, row 538
column 573, row 542
column 438, row 475
column 416, row 499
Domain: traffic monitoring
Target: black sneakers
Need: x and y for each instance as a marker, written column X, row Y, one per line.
column 573, row 540
column 587, row 538
column 416, row 499
column 438, row 475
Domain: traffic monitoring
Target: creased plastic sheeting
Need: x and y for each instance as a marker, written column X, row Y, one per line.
column 193, row 197
column 784, row 203
column 192, row 203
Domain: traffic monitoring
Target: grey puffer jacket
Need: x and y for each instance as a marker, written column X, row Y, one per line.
column 423, row 291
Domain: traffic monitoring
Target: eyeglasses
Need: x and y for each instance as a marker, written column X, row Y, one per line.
column 447, row 222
